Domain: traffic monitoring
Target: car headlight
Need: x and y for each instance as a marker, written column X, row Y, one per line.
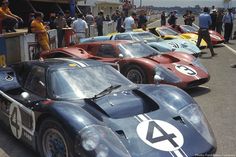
column 100, row 141
column 195, row 116
column 166, row 75
column 197, row 63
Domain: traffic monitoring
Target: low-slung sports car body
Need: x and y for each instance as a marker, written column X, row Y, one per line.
column 159, row 44
column 216, row 38
column 168, row 33
column 83, row 108
column 140, row 63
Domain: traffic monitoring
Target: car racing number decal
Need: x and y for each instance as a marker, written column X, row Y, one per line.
column 15, row 120
column 186, row 70
column 160, row 135
column 21, row 118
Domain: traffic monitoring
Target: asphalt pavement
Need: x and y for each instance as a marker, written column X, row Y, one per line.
column 217, row 99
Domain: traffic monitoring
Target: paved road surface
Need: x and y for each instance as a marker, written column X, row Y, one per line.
column 217, row 99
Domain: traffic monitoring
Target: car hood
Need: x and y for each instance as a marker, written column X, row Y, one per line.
column 141, row 121
column 182, row 46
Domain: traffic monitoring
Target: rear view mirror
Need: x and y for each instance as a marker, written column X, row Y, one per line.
column 25, row 95
column 157, row 79
column 121, row 55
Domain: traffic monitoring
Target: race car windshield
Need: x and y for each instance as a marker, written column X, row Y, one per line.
column 146, row 36
column 187, row 28
column 137, row 50
column 81, row 83
column 167, row 31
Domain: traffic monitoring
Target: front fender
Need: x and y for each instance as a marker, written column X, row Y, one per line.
column 71, row 115
column 167, row 95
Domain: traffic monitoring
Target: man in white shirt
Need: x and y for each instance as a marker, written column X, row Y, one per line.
column 80, row 27
column 129, row 23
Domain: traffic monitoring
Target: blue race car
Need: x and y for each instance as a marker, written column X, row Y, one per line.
column 159, row 44
column 84, row 108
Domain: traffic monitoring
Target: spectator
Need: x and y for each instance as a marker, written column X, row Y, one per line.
column 60, row 23
column 172, row 19
column 228, row 25
column 213, row 19
column 107, row 18
column 129, row 23
column 69, row 19
column 219, row 22
column 31, row 18
column 40, row 31
column 8, row 19
column 120, row 23
column 186, row 17
column 126, row 7
column 203, row 32
column 80, row 27
column 115, row 15
column 163, row 18
column 90, row 21
column 191, row 18
column 51, row 21
column 142, row 20
column 99, row 23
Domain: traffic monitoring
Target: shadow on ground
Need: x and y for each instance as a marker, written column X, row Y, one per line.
column 198, row 91
column 11, row 147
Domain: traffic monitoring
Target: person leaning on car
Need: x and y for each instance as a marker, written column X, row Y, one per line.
column 203, row 32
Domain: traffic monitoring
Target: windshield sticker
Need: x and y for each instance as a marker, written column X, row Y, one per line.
column 186, row 70
column 72, row 65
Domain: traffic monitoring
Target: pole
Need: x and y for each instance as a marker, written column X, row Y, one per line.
column 72, row 8
column 140, row 3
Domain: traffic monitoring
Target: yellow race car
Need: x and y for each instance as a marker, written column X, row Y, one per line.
column 168, row 33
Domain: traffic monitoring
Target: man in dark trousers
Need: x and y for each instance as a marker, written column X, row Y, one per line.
column 203, row 32
column 99, row 23
column 228, row 24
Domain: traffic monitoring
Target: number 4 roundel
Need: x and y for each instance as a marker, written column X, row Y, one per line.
column 15, row 120
column 160, row 135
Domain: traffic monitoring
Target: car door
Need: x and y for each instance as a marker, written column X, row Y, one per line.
column 15, row 114
column 108, row 53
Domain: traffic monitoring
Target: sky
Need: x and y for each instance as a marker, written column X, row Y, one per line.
column 184, row 3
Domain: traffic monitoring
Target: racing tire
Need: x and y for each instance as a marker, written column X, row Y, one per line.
column 136, row 74
column 53, row 140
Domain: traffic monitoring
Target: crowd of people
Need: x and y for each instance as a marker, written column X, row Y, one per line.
column 125, row 18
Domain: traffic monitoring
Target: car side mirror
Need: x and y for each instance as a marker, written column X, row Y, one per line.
column 25, row 95
column 121, row 56
column 157, row 79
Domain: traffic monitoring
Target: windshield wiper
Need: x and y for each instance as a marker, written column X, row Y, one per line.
column 106, row 91
column 151, row 55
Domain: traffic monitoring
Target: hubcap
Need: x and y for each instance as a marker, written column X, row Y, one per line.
column 54, row 144
column 135, row 76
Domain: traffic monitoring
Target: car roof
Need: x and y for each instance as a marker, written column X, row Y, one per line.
column 113, row 42
column 55, row 63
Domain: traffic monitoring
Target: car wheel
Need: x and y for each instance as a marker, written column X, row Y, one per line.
column 136, row 74
column 53, row 140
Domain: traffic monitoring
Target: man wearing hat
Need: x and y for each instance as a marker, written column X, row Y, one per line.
column 213, row 19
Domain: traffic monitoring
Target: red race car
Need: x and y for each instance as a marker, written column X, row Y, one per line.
column 142, row 64
column 216, row 38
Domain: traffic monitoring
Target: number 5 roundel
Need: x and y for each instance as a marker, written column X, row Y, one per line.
column 160, row 135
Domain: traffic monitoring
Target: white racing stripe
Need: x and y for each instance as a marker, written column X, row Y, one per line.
column 230, row 48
